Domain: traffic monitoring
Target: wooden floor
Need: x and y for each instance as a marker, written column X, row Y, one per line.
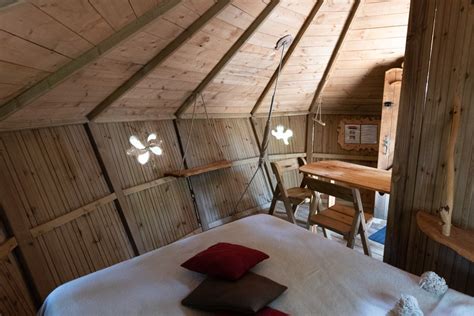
column 377, row 249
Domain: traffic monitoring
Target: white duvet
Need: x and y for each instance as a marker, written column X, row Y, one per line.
column 323, row 278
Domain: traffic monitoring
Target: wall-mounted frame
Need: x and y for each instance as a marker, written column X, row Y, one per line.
column 359, row 134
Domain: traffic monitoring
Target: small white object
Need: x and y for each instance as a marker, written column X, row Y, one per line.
column 156, row 150
column 143, row 158
column 280, row 133
column 433, row 283
column 136, row 142
column 143, row 152
column 407, row 305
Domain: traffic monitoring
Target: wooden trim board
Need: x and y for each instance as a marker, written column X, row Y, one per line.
column 148, row 185
column 46, row 84
column 7, row 247
column 66, row 218
column 158, row 59
column 223, row 164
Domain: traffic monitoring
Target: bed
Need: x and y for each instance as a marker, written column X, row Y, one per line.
column 323, row 278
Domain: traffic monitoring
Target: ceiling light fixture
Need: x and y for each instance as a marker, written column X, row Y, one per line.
column 143, row 152
column 280, row 133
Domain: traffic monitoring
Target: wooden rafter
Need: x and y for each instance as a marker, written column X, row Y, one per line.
column 158, row 59
column 302, row 30
column 228, row 56
column 334, row 55
column 48, row 83
column 309, row 137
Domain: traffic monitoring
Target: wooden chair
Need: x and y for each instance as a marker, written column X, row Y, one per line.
column 292, row 198
column 345, row 220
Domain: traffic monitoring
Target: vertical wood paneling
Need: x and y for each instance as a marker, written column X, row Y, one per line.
column 439, row 66
column 163, row 213
column 217, row 192
column 296, row 144
column 54, row 171
column 14, row 297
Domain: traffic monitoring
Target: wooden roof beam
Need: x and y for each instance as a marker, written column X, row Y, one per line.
column 158, row 59
column 228, row 56
column 302, row 30
column 48, row 83
column 334, row 55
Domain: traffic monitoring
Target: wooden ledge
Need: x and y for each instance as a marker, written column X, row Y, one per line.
column 461, row 240
column 222, row 164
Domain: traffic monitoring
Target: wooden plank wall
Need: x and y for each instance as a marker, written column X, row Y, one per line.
column 278, row 149
column 14, row 296
column 217, row 192
column 163, row 213
column 73, row 215
column 54, row 171
column 439, row 66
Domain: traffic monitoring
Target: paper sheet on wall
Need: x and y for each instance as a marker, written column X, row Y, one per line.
column 352, row 134
column 368, row 134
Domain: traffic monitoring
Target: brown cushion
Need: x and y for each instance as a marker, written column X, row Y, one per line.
column 248, row 295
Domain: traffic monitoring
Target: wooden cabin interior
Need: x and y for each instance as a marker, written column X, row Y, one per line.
column 135, row 134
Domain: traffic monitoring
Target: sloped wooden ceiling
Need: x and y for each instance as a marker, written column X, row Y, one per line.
column 38, row 37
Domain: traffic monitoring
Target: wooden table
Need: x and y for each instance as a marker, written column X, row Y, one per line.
column 352, row 175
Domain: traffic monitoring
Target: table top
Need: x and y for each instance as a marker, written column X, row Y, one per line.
column 353, row 175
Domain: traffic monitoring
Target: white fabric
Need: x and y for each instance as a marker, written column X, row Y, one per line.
column 323, row 278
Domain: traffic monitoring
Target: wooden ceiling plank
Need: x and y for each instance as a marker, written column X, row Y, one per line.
column 89, row 56
column 158, row 59
column 228, row 56
column 334, row 56
column 304, row 27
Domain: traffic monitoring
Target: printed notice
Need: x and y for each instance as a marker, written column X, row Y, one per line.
column 352, row 134
column 368, row 134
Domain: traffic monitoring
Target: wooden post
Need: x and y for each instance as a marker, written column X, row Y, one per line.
column 309, row 137
column 266, row 167
column 48, row 83
column 228, row 56
column 334, row 55
column 304, row 27
column 446, row 211
column 158, row 59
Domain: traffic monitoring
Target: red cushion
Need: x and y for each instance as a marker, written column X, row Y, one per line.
column 224, row 260
column 266, row 311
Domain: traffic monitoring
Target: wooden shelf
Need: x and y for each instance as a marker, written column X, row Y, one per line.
column 460, row 240
column 222, row 164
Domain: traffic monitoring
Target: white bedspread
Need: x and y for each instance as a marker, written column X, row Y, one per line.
column 323, row 278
